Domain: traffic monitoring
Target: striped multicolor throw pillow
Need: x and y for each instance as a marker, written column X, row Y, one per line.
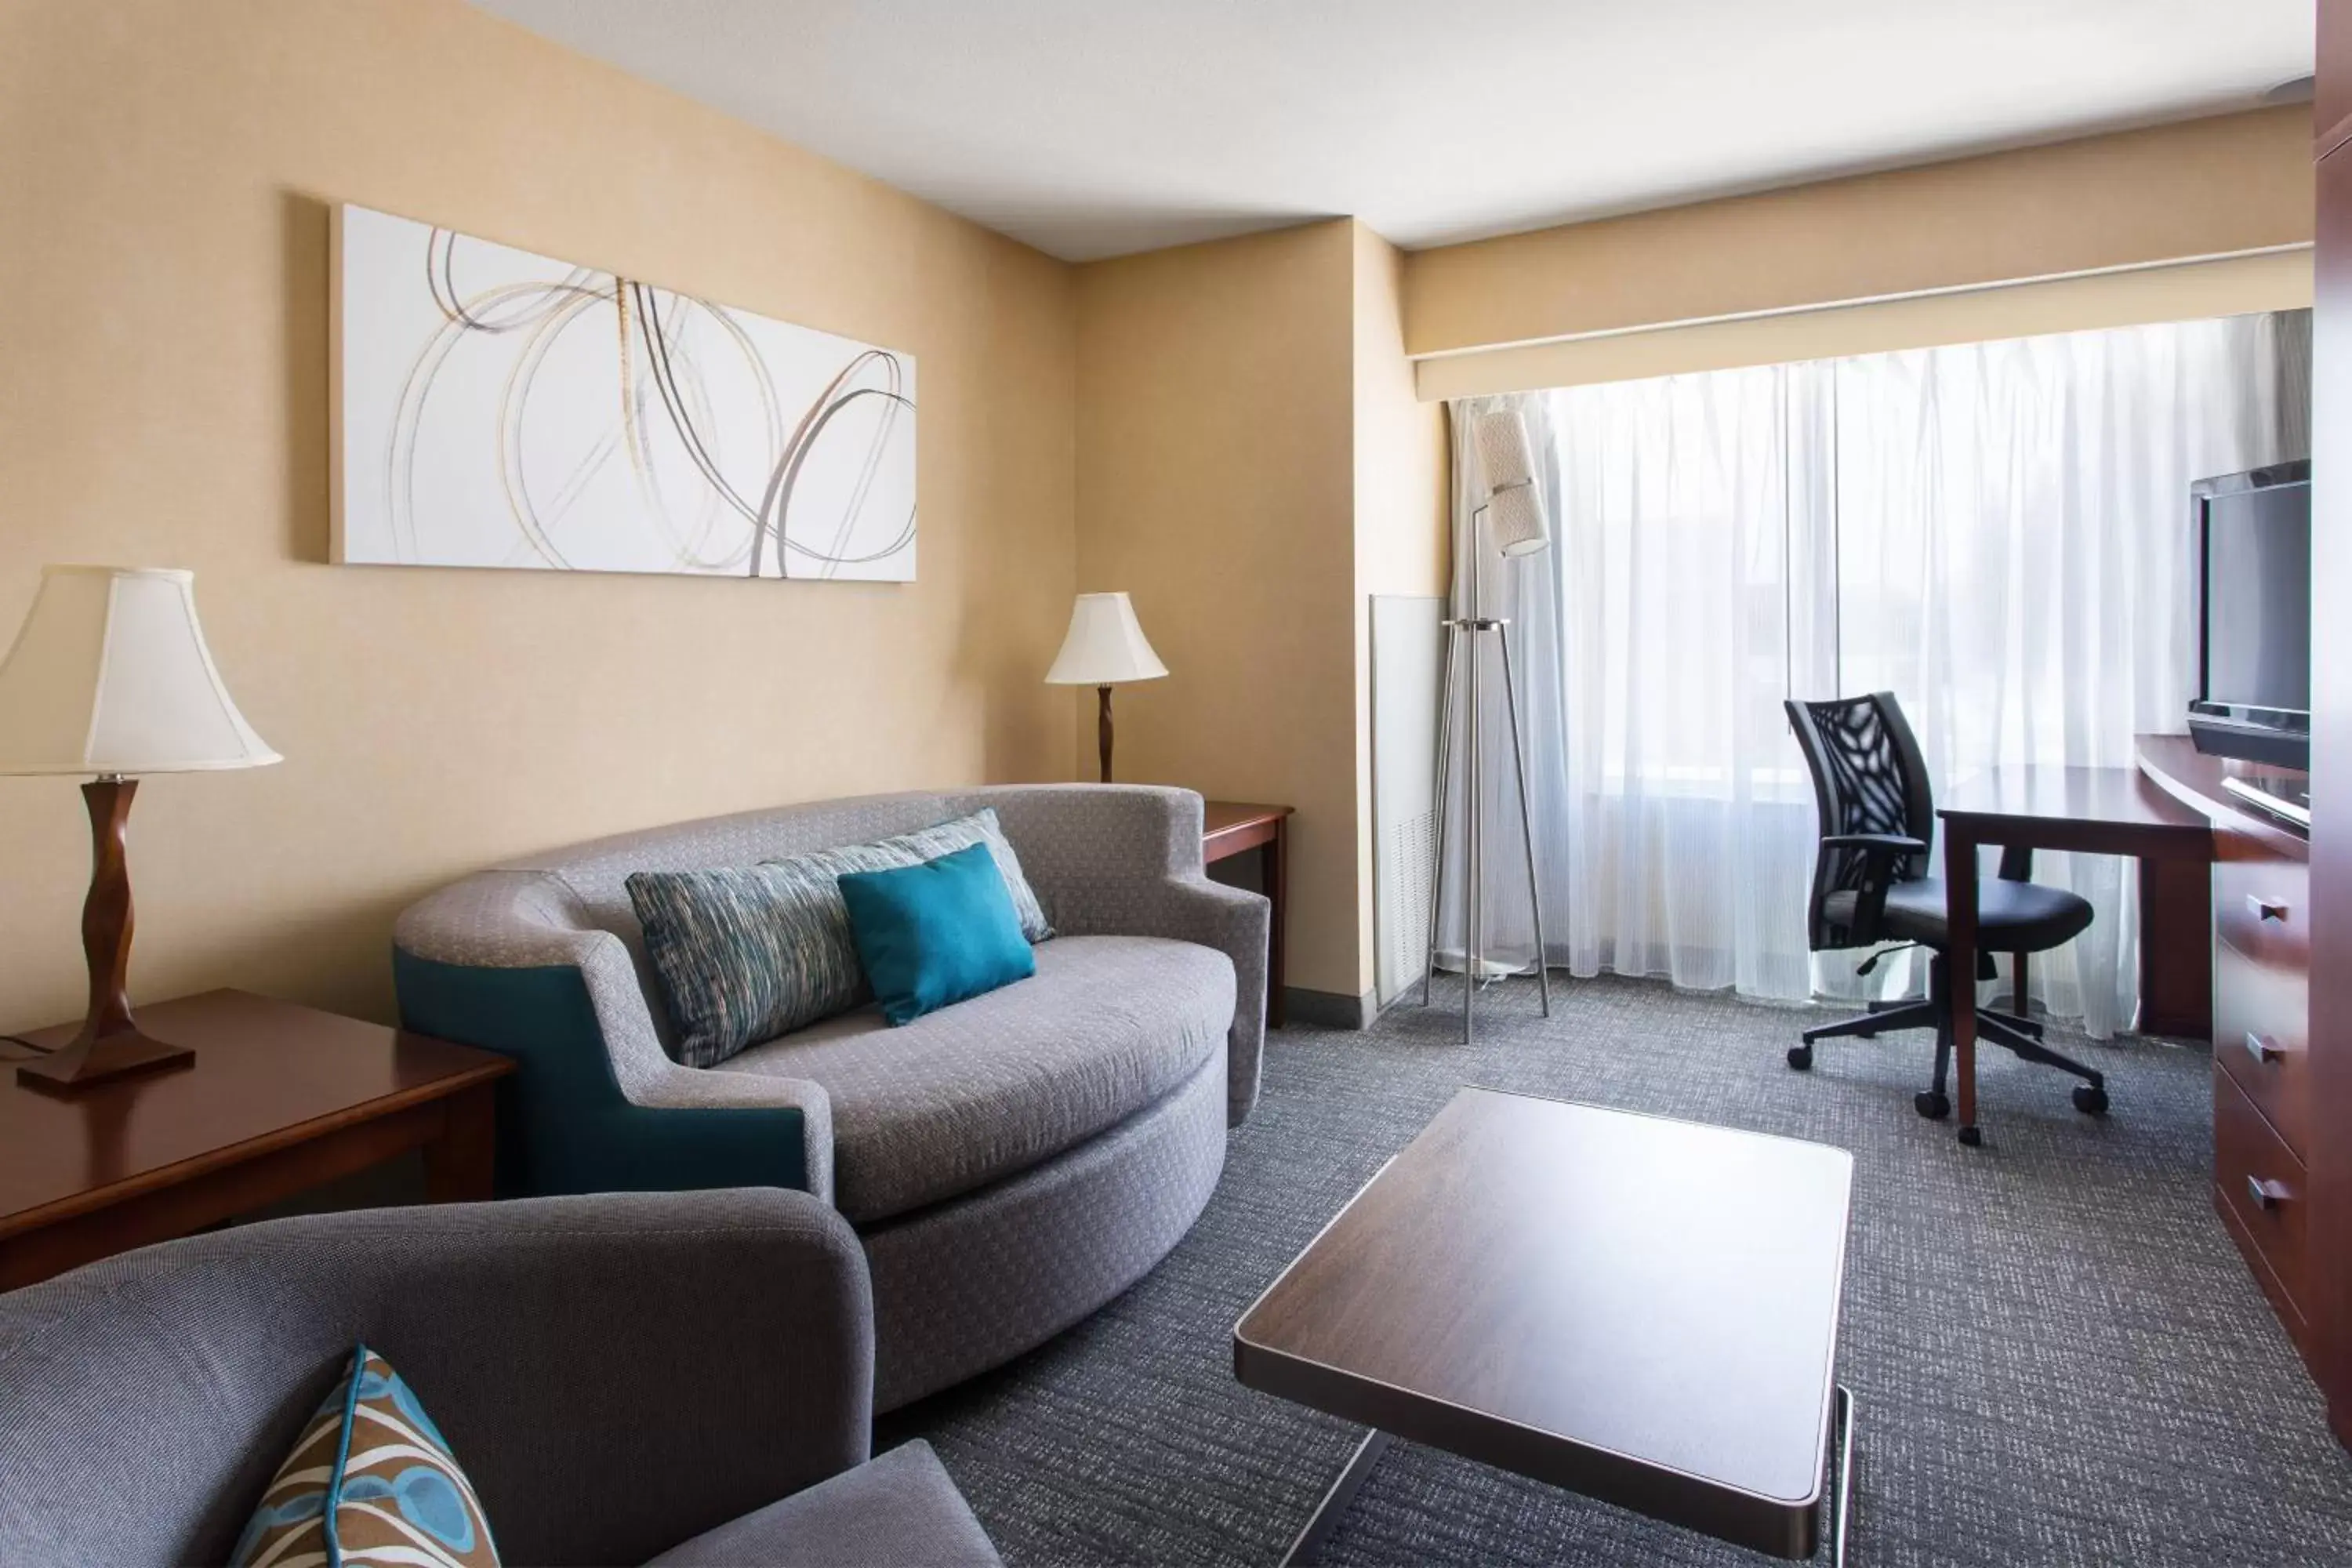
column 369, row 1481
column 746, row 953
column 931, row 843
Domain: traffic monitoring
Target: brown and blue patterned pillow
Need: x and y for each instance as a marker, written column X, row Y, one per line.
column 746, row 953
column 371, row 1483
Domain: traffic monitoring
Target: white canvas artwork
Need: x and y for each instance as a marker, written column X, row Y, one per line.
column 497, row 408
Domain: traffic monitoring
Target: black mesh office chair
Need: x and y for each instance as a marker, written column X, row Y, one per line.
column 1870, row 886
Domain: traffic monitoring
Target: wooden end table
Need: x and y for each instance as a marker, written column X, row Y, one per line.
column 1230, row 827
column 1640, row 1309
column 279, row 1099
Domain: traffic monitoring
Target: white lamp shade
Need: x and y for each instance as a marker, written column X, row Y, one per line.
column 1105, row 645
column 1514, row 511
column 111, row 675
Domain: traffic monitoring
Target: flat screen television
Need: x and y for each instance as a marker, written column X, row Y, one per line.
column 2254, row 648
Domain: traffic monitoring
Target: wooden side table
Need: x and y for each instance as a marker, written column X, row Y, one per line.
column 279, row 1099
column 1230, row 827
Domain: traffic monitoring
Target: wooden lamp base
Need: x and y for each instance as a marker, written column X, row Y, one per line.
column 87, row 1062
column 111, row 1044
column 1102, row 727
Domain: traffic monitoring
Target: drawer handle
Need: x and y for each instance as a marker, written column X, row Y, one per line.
column 2262, row 1048
column 2266, row 909
column 2266, row 1194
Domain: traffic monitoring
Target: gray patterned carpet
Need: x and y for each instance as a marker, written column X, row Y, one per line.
column 2056, row 1355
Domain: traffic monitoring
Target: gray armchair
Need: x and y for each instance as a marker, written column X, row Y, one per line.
column 620, row 1375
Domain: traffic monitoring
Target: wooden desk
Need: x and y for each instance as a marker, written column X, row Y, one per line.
column 2085, row 811
column 1641, row 1310
column 279, row 1099
column 1230, row 827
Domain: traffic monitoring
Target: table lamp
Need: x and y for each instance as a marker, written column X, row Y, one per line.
column 109, row 678
column 1105, row 646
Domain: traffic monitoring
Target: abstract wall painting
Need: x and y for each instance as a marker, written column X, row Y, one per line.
column 497, row 408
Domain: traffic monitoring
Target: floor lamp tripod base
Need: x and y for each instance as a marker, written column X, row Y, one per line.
column 1450, row 961
column 1468, row 635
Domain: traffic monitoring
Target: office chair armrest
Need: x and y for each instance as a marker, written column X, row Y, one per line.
column 1880, row 851
column 1886, row 845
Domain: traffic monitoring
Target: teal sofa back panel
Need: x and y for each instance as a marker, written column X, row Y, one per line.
column 564, row 1126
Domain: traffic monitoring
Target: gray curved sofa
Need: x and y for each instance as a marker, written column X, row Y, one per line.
column 1010, row 1163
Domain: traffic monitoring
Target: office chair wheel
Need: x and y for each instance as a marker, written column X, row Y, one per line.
column 1970, row 1136
column 1929, row 1103
column 1800, row 1058
column 2090, row 1099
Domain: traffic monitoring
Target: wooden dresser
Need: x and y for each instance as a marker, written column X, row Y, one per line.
column 2328, row 1225
column 2263, row 1115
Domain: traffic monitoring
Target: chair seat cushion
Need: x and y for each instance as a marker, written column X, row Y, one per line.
column 975, row 1092
column 901, row 1509
column 2012, row 917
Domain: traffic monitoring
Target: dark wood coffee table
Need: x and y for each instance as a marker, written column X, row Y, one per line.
column 1639, row 1309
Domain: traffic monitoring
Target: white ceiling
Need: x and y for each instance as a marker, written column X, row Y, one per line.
column 1092, row 128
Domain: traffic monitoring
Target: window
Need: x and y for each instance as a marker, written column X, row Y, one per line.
column 1999, row 533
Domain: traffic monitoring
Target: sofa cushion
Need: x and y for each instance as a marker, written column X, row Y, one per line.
column 935, row 934
column 371, row 1480
column 901, row 1509
column 989, row 1086
column 741, row 953
column 931, row 843
column 746, row 953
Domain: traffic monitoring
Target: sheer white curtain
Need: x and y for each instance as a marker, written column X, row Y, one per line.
column 1998, row 533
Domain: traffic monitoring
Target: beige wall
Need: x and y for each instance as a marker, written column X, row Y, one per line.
column 165, row 171
column 2205, row 187
column 1401, row 452
column 1401, row 472
column 1216, row 484
column 1227, row 431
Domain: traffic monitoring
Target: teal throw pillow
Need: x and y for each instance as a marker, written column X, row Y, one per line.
column 936, row 933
